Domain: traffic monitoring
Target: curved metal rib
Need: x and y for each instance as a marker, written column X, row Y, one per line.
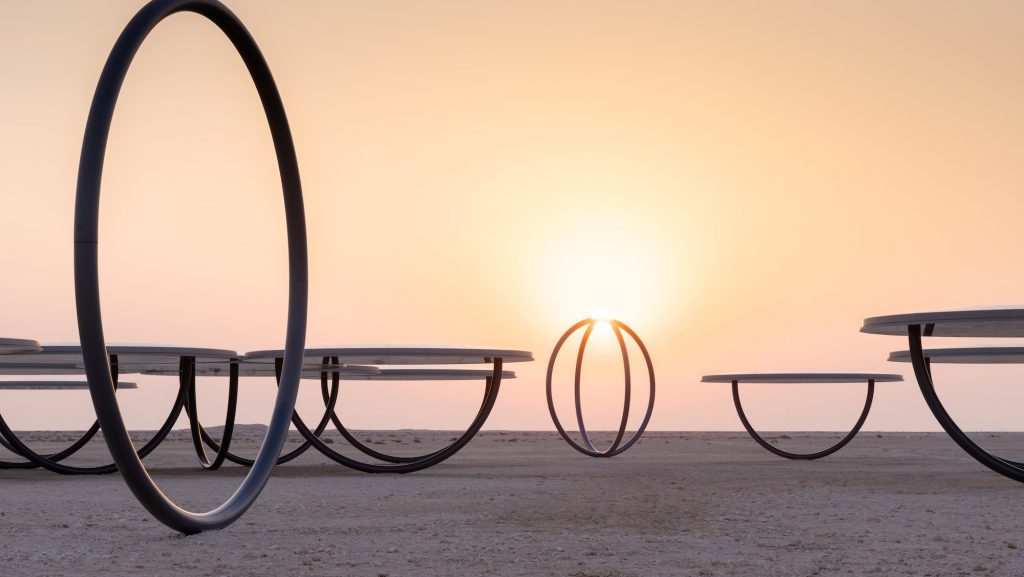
column 803, row 456
column 363, row 448
column 229, row 418
column 289, row 456
column 922, row 371
column 54, row 465
column 493, row 384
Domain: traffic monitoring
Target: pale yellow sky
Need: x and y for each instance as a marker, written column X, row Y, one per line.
column 742, row 183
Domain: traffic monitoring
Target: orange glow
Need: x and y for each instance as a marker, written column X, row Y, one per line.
column 740, row 184
column 602, row 328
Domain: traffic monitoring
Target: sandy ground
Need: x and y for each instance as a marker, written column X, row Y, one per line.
column 516, row 503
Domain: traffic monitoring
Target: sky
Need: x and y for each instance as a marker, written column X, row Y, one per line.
column 742, row 183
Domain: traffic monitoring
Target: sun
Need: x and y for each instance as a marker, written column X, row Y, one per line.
column 604, row 271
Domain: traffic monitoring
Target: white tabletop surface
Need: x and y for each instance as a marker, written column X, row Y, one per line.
column 966, row 355
column 801, row 378
column 16, row 346
column 67, row 359
column 400, row 355
column 247, row 369
column 30, row 369
column 54, row 385
column 979, row 322
column 429, row 375
column 346, row 373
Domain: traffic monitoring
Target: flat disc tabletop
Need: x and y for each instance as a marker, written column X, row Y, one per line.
column 67, row 359
column 429, row 375
column 54, row 385
column 247, row 369
column 399, row 355
column 983, row 322
column 18, row 346
column 802, row 378
column 966, row 355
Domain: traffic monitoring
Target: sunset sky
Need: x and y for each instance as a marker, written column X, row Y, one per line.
column 742, row 183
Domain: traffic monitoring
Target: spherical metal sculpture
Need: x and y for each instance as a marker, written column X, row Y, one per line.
column 617, row 446
column 87, row 293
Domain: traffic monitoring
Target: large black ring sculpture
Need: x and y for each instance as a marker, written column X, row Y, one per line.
column 617, row 446
column 802, row 456
column 87, row 292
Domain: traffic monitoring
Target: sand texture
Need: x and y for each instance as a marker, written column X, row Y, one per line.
column 517, row 503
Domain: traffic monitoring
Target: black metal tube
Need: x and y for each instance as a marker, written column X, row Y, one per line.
column 387, row 458
column 922, row 371
column 52, row 464
column 229, row 418
column 491, row 395
column 290, row 455
column 366, row 450
column 803, row 456
column 578, row 393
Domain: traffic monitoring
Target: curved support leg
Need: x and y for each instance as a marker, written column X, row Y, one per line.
column 363, row 448
column 67, row 452
column 193, row 415
column 650, row 376
column 922, row 371
column 429, row 460
column 55, row 457
column 57, row 467
column 803, row 456
column 289, row 456
column 577, row 393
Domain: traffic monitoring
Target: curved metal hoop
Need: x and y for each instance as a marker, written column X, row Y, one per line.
column 55, row 457
column 60, row 455
column 922, row 371
column 803, row 456
column 87, row 292
column 429, row 460
column 52, row 462
column 363, row 448
column 198, row 432
column 617, row 446
column 188, row 366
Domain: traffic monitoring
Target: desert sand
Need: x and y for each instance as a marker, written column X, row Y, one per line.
column 515, row 503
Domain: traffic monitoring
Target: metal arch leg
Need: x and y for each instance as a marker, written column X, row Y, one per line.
column 366, row 450
column 493, row 385
column 52, row 465
column 68, row 451
column 650, row 376
column 922, row 371
column 551, row 401
column 55, row 457
column 577, row 395
column 803, row 456
column 291, row 455
column 193, row 414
